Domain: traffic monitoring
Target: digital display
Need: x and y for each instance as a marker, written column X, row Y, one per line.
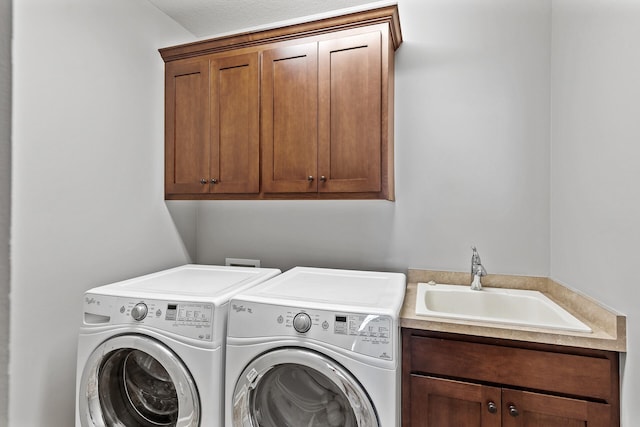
column 171, row 312
column 341, row 319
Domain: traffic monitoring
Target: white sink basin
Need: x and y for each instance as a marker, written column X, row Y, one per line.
column 496, row 305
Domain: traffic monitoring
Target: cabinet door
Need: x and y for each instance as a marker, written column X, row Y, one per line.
column 438, row 402
column 526, row 409
column 289, row 118
column 186, row 127
column 235, row 120
column 350, row 91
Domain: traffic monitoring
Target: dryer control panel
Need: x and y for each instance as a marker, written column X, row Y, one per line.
column 373, row 335
column 188, row 319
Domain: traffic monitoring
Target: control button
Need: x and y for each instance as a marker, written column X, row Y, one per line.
column 340, row 328
column 302, row 322
column 280, row 319
column 325, row 325
column 158, row 313
column 139, row 311
column 122, row 309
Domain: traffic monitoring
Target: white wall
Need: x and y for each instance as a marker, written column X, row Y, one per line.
column 5, row 199
column 595, row 200
column 88, row 203
column 472, row 158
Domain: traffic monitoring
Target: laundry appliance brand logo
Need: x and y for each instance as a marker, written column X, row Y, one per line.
column 91, row 300
column 241, row 308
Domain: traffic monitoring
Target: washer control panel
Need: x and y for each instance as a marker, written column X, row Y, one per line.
column 188, row 319
column 369, row 334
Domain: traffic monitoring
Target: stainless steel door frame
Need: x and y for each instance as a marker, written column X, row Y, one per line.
column 244, row 400
column 90, row 406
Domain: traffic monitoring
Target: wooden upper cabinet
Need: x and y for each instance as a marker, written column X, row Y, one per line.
column 321, row 116
column 235, row 121
column 303, row 111
column 186, row 131
column 289, row 119
column 349, row 116
column 212, row 126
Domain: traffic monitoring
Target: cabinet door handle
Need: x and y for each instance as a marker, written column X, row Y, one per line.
column 203, row 181
column 492, row 407
column 310, row 178
column 214, row 181
column 513, row 411
column 323, row 178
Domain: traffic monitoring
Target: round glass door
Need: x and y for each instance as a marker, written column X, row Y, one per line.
column 132, row 380
column 295, row 387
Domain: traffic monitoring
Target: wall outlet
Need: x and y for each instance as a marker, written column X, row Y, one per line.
column 241, row 262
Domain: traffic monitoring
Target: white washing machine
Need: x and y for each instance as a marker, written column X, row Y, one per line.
column 315, row 348
column 151, row 349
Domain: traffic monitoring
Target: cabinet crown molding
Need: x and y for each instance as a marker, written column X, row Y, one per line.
column 381, row 15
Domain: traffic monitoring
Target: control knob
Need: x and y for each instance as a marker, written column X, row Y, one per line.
column 139, row 311
column 302, row 322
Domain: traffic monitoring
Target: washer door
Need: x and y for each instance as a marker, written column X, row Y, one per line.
column 133, row 380
column 293, row 387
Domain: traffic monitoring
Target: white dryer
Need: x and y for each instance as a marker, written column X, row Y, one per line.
column 151, row 349
column 316, row 348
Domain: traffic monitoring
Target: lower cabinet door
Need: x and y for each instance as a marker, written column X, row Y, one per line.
column 445, row 403
column 525, row 409
column 437, row 402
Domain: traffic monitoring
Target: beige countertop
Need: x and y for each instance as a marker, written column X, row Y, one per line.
column 608, row 327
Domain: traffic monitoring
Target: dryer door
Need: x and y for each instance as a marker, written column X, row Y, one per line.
column 297, row 387
column 133, row 380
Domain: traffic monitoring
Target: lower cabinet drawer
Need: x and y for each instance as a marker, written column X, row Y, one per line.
column 568, row 374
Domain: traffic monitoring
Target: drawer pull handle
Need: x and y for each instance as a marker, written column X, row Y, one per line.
column 492, row 407
column 203, row 181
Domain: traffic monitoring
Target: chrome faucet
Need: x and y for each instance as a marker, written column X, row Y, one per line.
column 477, row 270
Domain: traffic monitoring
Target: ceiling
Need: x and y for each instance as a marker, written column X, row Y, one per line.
column 212, row 17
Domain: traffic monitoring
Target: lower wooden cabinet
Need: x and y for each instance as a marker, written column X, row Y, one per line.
column 454, row 381
column 523, row 408
column 449, row 403
column 446, row 403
